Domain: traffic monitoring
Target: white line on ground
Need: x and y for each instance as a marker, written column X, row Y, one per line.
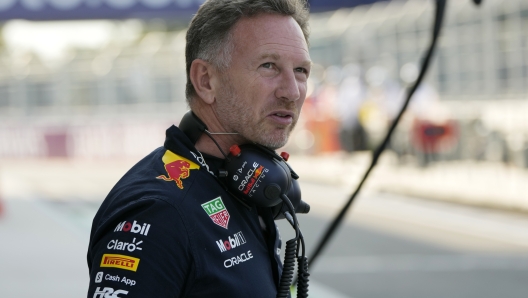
column 317, row 290
column 419, row 263
column 507, row 229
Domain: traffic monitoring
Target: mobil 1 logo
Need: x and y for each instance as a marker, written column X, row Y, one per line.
column 231, row 242
column 133, row 227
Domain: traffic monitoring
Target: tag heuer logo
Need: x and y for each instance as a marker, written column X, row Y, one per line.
column 217, row 212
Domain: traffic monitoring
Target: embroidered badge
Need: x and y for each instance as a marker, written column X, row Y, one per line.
column 177, row 168
column 217, row 212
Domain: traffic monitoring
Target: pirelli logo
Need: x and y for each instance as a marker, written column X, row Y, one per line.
column 120, row 261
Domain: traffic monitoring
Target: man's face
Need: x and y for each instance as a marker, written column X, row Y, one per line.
column 263, row 89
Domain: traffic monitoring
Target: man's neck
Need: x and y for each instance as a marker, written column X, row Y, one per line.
column 205, row 144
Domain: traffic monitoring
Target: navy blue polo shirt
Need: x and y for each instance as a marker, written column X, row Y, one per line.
column 170, row 228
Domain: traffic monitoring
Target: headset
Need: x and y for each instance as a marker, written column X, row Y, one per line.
column 256, row 174
column 253, row 172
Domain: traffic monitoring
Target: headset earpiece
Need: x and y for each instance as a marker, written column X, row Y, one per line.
column 254, row 173
column 257, row 175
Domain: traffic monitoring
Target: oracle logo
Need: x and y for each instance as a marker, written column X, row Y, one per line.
column 238, row 259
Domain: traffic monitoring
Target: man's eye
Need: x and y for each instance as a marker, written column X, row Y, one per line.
column 302, row 70
column 267, row 65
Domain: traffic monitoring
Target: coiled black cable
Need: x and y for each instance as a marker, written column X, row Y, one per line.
column 302, row 277
column 291, row 254
column 288, row 267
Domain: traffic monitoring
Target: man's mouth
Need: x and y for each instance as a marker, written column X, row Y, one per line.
column 283, row 113
column 282, row 117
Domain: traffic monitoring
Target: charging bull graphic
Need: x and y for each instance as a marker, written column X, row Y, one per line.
column 177, row 168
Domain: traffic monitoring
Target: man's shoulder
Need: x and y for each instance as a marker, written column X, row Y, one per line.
column 160, row 176
column 163, row 188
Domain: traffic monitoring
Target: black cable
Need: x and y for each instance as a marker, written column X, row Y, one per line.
column 439, row 14
column 302, row 277
column 290, row 253
column 216, row 143
column 290, row 216
column 287, row 269
column 302, row 271
column 303, row 245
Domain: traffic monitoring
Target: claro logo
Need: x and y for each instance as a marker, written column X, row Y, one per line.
column 133, row 227
column 119, row 245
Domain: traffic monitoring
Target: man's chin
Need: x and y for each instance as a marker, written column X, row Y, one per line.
column 272, row 138
column 274, row 142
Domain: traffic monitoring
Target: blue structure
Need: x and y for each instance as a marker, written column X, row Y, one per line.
column 120, row 9
column 327, row 5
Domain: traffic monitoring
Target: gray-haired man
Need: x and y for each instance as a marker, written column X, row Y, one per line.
column 169, row 228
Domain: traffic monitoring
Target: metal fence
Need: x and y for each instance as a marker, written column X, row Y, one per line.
column 483, row 51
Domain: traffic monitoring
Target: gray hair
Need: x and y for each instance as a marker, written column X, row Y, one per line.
column 209, row 35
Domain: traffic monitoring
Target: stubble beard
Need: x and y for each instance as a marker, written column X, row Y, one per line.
column 237, row 117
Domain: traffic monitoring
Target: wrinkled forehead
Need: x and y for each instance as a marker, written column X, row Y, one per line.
column 268, row 29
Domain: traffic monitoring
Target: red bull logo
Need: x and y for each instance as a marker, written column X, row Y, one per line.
column 254, row 179
column 177, row 168
column 258, row 172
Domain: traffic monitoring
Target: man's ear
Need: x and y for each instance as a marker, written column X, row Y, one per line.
column 201, row 75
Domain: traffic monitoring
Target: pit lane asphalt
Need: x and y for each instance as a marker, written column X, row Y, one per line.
column 391, row 246
column 401, row 247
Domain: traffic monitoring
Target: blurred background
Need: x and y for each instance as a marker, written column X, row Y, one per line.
column 88, row 87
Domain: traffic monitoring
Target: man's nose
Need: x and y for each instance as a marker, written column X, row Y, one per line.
column 288, row 87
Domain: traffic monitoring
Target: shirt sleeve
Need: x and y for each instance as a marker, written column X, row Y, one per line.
column 142, row 250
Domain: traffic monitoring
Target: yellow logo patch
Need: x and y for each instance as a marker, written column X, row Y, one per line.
column 120, row 261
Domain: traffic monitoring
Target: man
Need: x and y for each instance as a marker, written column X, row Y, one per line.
column 169, row 228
